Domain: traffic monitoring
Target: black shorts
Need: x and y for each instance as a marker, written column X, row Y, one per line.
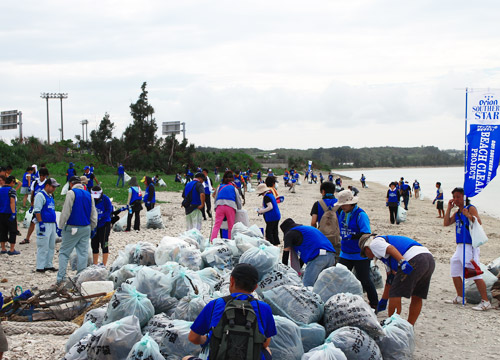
column 440, row 205
column 417, row 282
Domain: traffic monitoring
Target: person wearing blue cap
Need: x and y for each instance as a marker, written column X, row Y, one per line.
column 121, row 175
column 90, row 178
column 70, row 172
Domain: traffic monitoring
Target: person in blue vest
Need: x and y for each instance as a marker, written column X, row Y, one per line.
column 91, row 167
column 242, row 283
column 328, row 201
column 271, row 213
column 330, row 177
column 36, row 186
column 321, row 177
column 46, row 227
column 78, row 219
column 240, row 184
column 392, row 201
column 227, row 201
column 8, row 213
column 121, row 174
column 207, row 184
column 189, row 175
column 149, row 193
column 409, row 270
column 439, row 200
column 100, row 235
column 312, row 247
column 134, row 204
column 25, row 187
column 259, row 177
column 178, row 178
column 465, row 215
column 363, row 180
column 353, row 223
column 70, row 172
column 90, row 178
column 194, row 201
column 405, row 193
column 416, row 189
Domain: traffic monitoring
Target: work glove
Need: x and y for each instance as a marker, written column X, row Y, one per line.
column 30, row 209
column 382, row 305
column 280, row 199
column 41, row 227
column 386, row 203
column 12, row 217
column 406, row 267
column 58, row 231
column 434, row 201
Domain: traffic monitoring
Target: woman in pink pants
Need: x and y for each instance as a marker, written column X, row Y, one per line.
column 227, row 201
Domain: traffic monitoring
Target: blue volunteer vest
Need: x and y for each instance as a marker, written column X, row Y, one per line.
column 207, row 188
column 48, row 212
column 104, row 209
column 71, row 173
column 274, row 214
column 237, row 181
column 347, row 244
column 135, row 196
column 82, row 208
column 146, row 194
column 416, row 185
column 462, row 223
column 226, row 192
column 191, row 188
column 25, row 179
column 330, row 203
column 393, row 196
column 313, row 242
column 259, row 175
column 330, row 177
column 38, row 187
column 439, row 196
column 402, row 244
column 5, row 200
column 90, row 183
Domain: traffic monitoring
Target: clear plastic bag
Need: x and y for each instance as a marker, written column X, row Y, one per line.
column 477, row 234
column 158, row 288
column 191, row 258
column 145, row 349
column 472, row 293
column 87, row 328
column 91, row 273
column 79, row 350
column 335, row 280
column 187, row 282
column 143, row 253
column 114, row 340
column 128, row 301
column 121, row 224
column 312, row 335
column 325, row 352
column 280, row 275
column 73, row 258
column 350, row 310
column 295, row 303
column 218, row 256
column 245, row 242
column 65, row 189
column 169, row 250
column 195, row 236
column 96, row 315
column 402, row 213
column 494, row 266
column 128, row 271
column 123, row 258
column 154, row 219
column 263, row 258
column 287, row 343
column 212, row 278
column 240, row 228
column 189, row 307
column 171, row 336
column 355, row 343
column 398, row 342
column 27, row 218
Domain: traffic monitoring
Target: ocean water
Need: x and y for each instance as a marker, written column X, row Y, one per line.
column 450, row 177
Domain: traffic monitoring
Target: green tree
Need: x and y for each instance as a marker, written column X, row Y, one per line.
column 100, row 140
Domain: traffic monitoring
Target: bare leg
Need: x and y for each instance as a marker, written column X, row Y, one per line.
column 3, row 246
column 105, row 258
column 394, row 305
column 95, row 258
column 457, row 281
column 481, row 287
column 30, row 230
column 415, row 308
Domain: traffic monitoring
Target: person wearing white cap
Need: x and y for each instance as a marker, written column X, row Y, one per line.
column 100, row 235
column 353, row 223
column 46, row 227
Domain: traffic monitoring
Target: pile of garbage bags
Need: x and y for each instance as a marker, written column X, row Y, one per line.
column 160, row 290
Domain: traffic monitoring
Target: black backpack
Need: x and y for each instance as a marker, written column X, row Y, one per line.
column 237, row 335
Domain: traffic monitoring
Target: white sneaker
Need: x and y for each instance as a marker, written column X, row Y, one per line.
column 483, row 306
column 456, row 301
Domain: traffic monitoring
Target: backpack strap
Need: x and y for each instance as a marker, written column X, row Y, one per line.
column 323, row 205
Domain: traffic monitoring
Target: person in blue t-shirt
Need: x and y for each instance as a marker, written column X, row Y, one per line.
column 100, row 235
column 121, row 175
column 353, row 223
column 440, row 200
column 416, row 189
column 327, row 190
column 392, row 201
column 243, row 282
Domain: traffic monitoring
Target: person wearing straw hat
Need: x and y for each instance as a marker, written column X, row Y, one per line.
column 271, row 213
column 353, row 223
column 409, row 270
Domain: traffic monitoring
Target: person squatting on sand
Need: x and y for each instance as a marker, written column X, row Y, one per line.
column 213, row 322
column 462, row 218
column 314, row 248
column 409, row 270
column 354, row 222
column 227, row 201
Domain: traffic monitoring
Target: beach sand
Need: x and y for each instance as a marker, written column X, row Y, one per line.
column 442, row 331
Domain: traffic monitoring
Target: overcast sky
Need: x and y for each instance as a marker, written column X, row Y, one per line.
column 268, row 74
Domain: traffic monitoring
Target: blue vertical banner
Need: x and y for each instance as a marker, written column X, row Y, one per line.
column 483, row 139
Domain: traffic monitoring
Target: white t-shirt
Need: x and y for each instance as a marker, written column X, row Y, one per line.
column 379, row 246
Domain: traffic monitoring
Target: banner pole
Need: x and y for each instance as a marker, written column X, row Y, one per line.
column 462, row 227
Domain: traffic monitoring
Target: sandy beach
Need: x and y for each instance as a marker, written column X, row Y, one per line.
column 442, row 332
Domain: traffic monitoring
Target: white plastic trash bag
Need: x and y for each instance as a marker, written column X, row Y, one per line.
column 121, row 224
column 194, row 236
column 153, row 219
column 335, row 280
column 398, row 342
column 295, row 303
column 325, row 352
column 287, row 343
column 158, row 288
column 79, row 350
column 96, row 315
column 127, row 271
column 471, row 293
column 190, row 258
column 27, row 218
column 350, row 310
column 126, row 177
column 477, row 234
column 218, row 256
column 401, row 216
column 312, row 335
column 114, row 340
column 494, row 266
column 145, row 349
column 240, row 228
column 241, row 216
column 143, row 253
column 355, row 343
column 128, row 301
column 65, row 189
column 169, row 250
column 189, row 307
column 280, row 275
column 245, row 242
column 91, row 273
column 263, row 258
column 161, row 182
column 211, row 277
column 87, row 328
column 171, row 336
column 187, row 282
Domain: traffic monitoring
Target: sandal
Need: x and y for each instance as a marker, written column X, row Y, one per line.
column 25, row 241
